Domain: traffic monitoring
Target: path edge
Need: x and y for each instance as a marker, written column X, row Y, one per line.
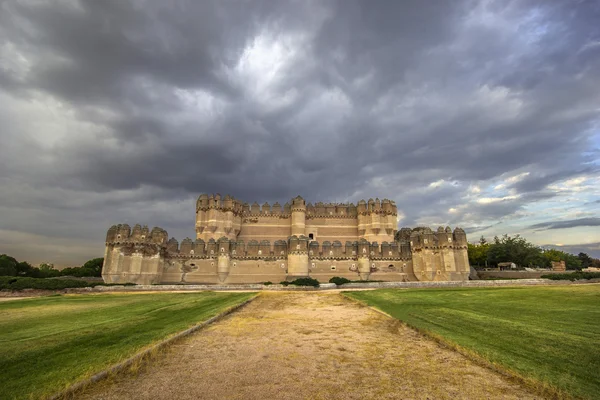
column 539, row 388
column 142, row 355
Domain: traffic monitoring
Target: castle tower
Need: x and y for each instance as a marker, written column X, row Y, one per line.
column 216, row 217
column 298, row 216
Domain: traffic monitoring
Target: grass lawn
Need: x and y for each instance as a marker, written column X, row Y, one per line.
column 549, row 334
column 50, row 342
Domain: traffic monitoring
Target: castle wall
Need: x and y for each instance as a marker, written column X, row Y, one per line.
column 342, row 228
column 262, row 227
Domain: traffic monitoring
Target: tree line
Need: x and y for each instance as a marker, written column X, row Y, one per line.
column 9, row 266
column 524, row 254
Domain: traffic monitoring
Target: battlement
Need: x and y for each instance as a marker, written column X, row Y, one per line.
column 123, row 233
column 425, row 238
column 207, row 202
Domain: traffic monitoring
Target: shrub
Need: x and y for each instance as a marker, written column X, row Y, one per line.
column 338, row 280
column 284, row 283
column 20, row 283
column 573, row 277
column 305, row 282
column 267, row 283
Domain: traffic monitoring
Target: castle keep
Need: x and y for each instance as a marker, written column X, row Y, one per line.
column 241, row 243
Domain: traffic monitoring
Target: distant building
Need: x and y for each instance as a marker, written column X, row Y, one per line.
column 241, row 243
column 507, row 266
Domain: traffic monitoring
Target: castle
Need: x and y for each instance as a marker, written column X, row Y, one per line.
column 239, row 243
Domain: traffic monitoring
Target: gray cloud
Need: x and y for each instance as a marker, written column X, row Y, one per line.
column 127, row 110
column 591, row 249
column 567, row 224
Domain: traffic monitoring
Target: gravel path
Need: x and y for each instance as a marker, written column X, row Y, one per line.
column 308, row 346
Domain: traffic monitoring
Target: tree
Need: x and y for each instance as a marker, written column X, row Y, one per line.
column 586, row 260
column 8, row 265
column 572, row 262
column 95, row 265
column 514, row 249
column 477, row 253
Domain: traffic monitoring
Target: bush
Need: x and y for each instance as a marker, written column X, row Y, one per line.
column 20, row 283
column 338, row 280
column 267, row 283
column 284, row 283
column 305, row 282
column 573, row 277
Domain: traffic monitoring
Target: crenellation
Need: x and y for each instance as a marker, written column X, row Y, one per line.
column 173, row 246
column 235, row 242
column 186, row 246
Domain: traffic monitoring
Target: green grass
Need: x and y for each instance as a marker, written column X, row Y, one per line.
column 548, row 334
column 48, row 343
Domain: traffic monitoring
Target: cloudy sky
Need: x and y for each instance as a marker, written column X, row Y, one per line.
column 479, row 114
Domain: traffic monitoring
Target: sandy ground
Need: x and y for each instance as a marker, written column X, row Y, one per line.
column 308, row 346
column 14, row 298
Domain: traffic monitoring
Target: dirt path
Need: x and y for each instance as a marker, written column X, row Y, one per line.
column 308, row 346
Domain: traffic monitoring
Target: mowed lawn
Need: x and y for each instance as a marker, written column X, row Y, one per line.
column 550, row 334
column 50, row 342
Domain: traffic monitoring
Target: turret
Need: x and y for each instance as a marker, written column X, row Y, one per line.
column 364, row 259
column 223, row 259
column 298, row 256
column 111, row 234
column 159, row 236
column 123, row 233
column 298, row 216
column 173, row 246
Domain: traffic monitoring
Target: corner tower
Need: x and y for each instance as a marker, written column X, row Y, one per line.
column 216, row 218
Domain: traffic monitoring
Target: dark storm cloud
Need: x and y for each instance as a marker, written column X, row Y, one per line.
column 567, row 224
column 152, row 103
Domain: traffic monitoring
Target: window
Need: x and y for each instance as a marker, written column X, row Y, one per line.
column 330, row 252
column 333, row 268
column 282, row 266
column 391, row 266
column 311, row 236
column 259, row 252
column 192, row 252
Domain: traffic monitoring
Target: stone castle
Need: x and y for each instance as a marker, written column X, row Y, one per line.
column 239, row 243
